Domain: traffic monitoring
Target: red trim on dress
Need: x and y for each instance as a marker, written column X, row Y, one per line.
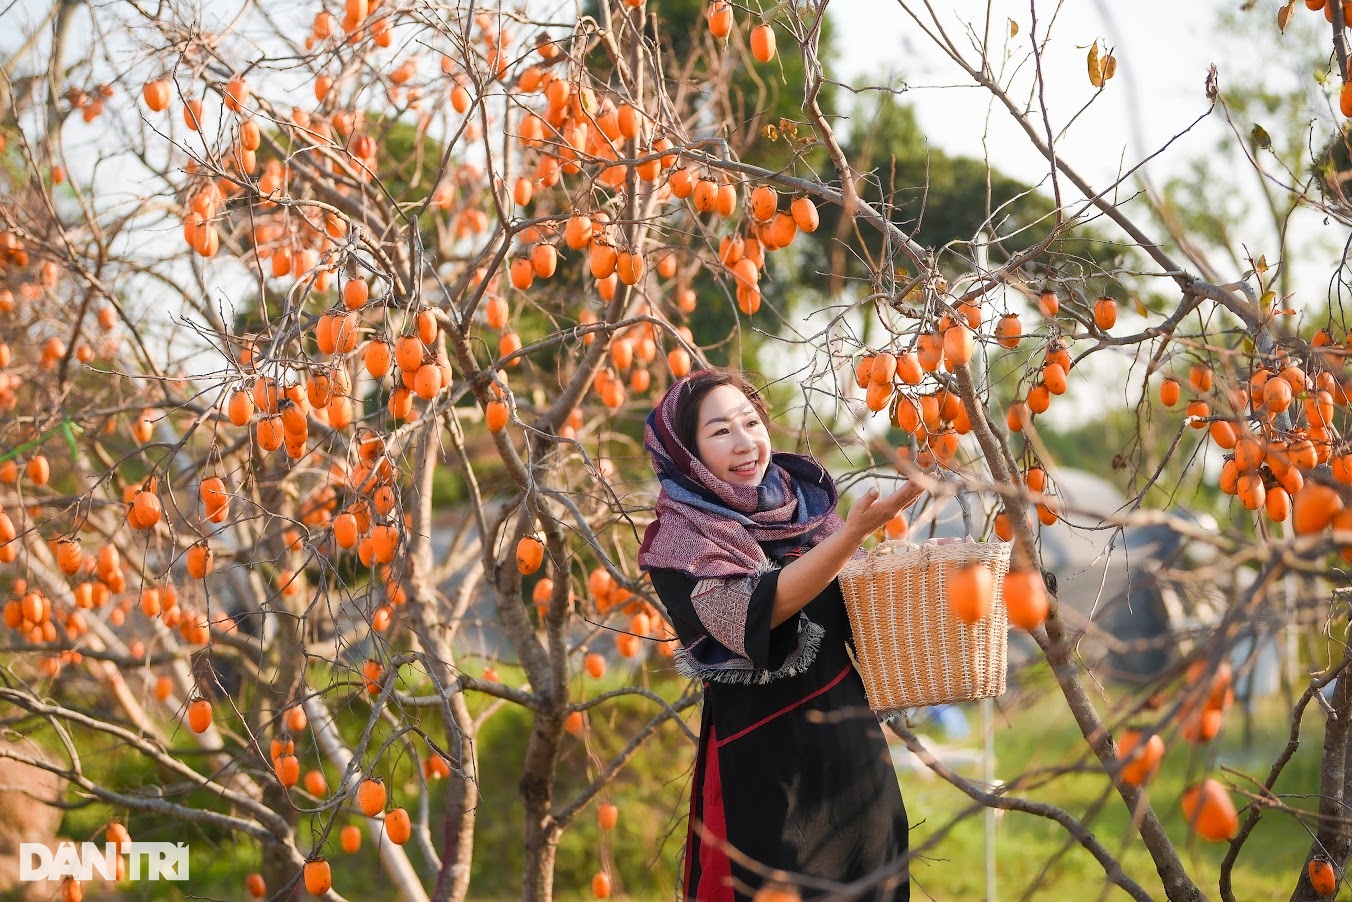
column 691, row 837
column 715, row 877
column 764, row 720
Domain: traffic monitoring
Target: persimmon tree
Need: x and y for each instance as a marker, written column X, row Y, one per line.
column 265, row 286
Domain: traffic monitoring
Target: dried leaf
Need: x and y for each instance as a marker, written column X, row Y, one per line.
column 1139, row 306
column 1109, row 66
column 1095, row 68
column 1260, row 265
column 1013, row 28
column 1284, row 16
column 770, row 132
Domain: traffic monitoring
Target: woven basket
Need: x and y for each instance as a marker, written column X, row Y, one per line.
column 910, row 648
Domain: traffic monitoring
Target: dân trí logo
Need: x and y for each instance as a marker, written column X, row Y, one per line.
column 86, row 861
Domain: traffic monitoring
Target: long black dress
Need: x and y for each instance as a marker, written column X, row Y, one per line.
column 794, row 773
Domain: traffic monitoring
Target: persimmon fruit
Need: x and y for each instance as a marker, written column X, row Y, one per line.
column 371, row 796
column 1210, row 811
column 970, row 590
column 1139, row 762
column 398, row 826
column 1323, row 878
column 199, row 715
column 318, row 877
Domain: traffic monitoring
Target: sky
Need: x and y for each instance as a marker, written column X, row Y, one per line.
column 1163, row 50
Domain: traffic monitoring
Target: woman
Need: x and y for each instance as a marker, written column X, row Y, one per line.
column 793, row 772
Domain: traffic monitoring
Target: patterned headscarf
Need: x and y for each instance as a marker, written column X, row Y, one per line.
column 713, row 530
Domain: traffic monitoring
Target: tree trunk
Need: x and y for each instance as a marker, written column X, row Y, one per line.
column 541, row 844
column 461, row 797
column 462, row 786
column 1332, row 839
column 542, row 831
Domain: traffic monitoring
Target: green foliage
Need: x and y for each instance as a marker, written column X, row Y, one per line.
column 448, row 488
column 412, row 157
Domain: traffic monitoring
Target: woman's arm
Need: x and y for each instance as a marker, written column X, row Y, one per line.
column 805, row 577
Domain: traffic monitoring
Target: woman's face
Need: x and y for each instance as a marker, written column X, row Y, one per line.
column 731, row 439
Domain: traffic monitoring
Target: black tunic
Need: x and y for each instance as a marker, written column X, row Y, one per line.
column 794, row 773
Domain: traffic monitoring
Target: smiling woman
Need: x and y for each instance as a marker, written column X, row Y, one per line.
column 793, row 773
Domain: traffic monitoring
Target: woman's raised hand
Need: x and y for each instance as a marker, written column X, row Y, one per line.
column 803, row 578
column 871, row 513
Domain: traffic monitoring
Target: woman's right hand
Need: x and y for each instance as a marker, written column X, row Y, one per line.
column 871, row 513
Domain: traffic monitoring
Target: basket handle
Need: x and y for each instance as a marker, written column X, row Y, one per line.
column 884, row 548
column 890, row 546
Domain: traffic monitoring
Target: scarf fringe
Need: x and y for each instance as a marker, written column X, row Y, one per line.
column 810, row 636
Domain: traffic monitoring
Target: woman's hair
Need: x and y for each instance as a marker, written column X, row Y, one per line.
column 697, row 387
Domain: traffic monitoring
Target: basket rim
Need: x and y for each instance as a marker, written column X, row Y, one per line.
column 900, row 549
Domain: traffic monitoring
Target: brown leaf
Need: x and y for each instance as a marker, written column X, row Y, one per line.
column 1095, row 67
column 1284, row 16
